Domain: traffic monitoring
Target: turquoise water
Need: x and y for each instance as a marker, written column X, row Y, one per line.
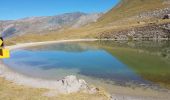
column 93, row 60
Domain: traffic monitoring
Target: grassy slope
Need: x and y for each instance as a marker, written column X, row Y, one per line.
column 125, row 9
column 130, row 8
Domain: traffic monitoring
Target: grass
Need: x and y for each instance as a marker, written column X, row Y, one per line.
column 128, row 8
column 115, row 20
column 85, row 32
column 109, row 22
column 11, row 91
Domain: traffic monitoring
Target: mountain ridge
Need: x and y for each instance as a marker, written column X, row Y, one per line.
column 46, row 23
column 129, row 17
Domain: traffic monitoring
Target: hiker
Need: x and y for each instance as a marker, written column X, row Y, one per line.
column 2, row 45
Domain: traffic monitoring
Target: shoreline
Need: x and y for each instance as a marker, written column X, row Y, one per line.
column 20, row 79
column 22, row 45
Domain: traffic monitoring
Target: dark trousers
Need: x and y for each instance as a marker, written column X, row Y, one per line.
column 1, row 52
column 2, row 43
column 1, row 46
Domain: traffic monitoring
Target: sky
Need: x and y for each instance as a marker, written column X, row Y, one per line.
column 16, row 9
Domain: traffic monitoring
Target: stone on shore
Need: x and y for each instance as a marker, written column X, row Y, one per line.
column 70, row 84
column 167, row 16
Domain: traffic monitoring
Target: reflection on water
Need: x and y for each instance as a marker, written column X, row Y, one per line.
column 150, row 60
column 119, row 62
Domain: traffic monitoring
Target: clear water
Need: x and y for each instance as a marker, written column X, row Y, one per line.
column 109, row 61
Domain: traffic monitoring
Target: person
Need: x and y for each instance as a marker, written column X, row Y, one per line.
column 2, row 45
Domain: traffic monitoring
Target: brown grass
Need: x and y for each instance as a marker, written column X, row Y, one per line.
column 11, row 91
column 128, row 8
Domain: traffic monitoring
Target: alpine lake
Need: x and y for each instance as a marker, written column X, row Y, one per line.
column 106, row 63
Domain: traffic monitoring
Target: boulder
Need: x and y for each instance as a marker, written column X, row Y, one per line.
column 140, row 22
column 71, row 84
column 167, row 16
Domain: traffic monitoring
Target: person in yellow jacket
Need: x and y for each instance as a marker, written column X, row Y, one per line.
column 1, row 45
column 4, row 53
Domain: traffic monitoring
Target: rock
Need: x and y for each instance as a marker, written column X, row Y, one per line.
column 140, row 22
column 147, row 32
column 71, row 84
column 167, row 16
column 93, row 90
column 157, row 13
column 166, row 2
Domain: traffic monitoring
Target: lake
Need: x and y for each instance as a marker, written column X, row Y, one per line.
column 123, row 63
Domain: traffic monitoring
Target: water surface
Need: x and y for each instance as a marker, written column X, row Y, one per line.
column 139, row 63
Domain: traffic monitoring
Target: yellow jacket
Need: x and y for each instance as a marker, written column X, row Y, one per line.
column 4, row 53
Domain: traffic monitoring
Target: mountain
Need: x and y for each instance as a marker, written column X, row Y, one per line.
column 49, row 23
column 129, row 20
column 136, row 20
column 130, row 8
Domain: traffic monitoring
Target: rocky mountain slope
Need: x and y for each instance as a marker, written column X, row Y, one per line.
column 49, row 23
column 148, row 32
column 129, row 20
column 128, row 8
column 137, row 20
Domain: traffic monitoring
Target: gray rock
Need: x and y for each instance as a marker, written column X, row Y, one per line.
column 70, row 84
column 158, row 13
column 148, row 32
column 167, row 16
column 166, row 2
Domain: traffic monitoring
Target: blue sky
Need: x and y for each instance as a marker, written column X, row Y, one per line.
column 15, row 9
